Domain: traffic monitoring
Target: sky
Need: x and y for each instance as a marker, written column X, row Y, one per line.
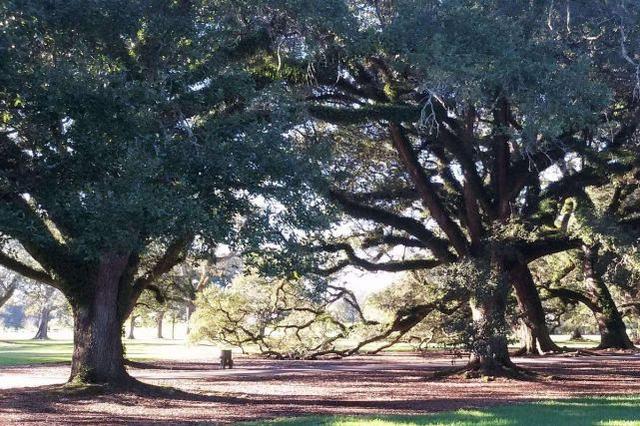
column 364, row 283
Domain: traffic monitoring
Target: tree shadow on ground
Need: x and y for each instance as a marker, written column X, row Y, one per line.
column 267, row 389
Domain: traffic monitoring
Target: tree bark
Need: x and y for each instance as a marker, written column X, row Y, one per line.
column 533, row 314
column 490, row 352
column 43, row 323
column 489, row 348
column 159, row 318
column 613, row 332
column 98, row 351
column 527, row 340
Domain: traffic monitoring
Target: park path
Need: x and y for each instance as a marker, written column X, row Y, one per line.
column 257, row 388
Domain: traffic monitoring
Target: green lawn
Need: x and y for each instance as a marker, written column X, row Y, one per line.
column 17, row 352
column 20, row 352
column 611, row 411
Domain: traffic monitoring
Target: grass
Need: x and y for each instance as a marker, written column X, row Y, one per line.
column 609, row 411
column 21, row 352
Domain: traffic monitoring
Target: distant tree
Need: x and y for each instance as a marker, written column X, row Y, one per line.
column 434, row 326
column 275, row 317
column 186, row 281
column 132, row 325
column 13, row 316
column 45, row 303
column 41, row 304
column 152, row 308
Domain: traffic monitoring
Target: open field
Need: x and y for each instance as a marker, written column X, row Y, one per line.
column 389, row 384
column 27, row 351
column 20, row 352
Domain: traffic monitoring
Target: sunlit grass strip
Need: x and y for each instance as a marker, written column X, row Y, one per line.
column 602, row 411
column 23, row 352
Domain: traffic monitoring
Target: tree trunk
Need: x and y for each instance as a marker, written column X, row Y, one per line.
column 173, row 327
column 132, row 326
column 489, row 348
column 98, row 351
column 489, row 352
column 43, row 323
column 527, row 340
column 613, row 332
column 191, row 308
column 159, row 318
column 532, row 311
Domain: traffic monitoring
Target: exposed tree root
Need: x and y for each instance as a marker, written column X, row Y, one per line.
column 522, row 352
column 127, row 385
column 632, row 348
column 143, row 365
column 475, row 371
column 603, row 352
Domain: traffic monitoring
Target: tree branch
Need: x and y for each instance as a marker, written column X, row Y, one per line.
column 536, row 249
column 426, row 190
column 438, row 246
column 27, row 271
column 393, row 266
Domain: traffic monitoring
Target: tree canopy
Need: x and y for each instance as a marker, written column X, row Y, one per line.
column 127, row 130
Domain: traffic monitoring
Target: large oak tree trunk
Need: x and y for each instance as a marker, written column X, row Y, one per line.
column 43, row 323
column 613, row 332
column 98, row 351
column 539, row 340
column 489, row 350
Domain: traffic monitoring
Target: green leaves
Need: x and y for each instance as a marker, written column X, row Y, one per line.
column 132, row 122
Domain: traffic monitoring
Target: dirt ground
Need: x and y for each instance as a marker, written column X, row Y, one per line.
column 260, row 389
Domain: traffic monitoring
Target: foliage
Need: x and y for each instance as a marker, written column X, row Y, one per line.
column 419, row 288
column 13, row 316
column 279, row 318
column 132, row 126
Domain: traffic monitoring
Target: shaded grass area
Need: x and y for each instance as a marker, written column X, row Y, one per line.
column 21, row 352
column 608, row 411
